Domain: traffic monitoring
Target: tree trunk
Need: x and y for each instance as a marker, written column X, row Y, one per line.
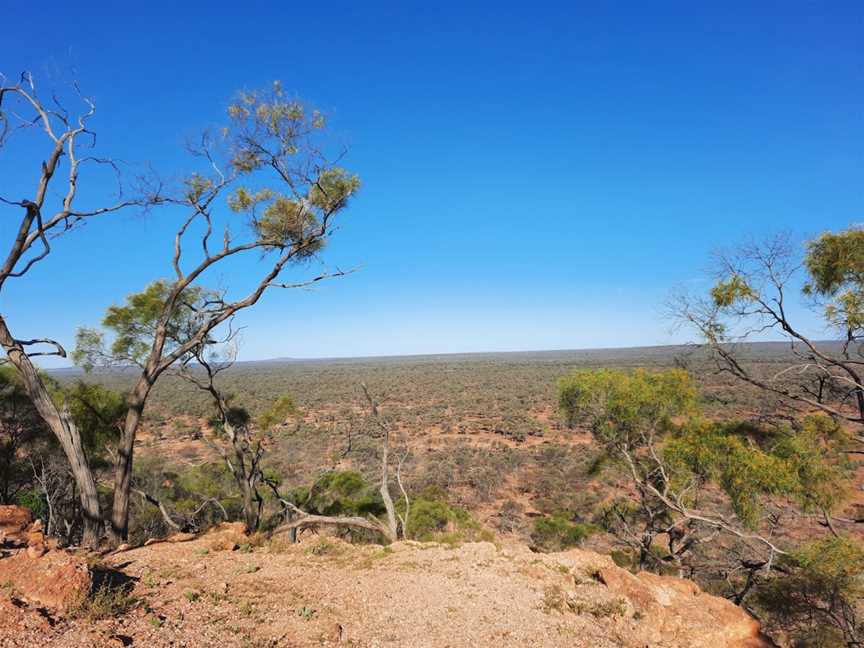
column 385, row 490
column 250, row 517
column 119, row 530
column 244, row 477
column 61, row 424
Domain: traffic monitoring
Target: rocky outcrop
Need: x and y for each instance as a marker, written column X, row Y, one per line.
column 676, row 611
column 56, row 579
column 14, row 524
column 36, row 571
column 408, row 594
column 227, row 536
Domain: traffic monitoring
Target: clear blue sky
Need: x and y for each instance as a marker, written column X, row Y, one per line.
column 535, row 175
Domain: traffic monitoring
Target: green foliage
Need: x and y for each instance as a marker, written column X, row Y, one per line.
column 628, row 411
column 836, row 261
column 98, row 412
column 134, row 324
column 809, row 465
column 196, row 186
column 266, row 128
column 816, row 455
column 278, row 413
column 557, row 531
column 714, row 452
column 106, row 602
column 23, row 435
column 835, row 265
column 185, row 493
column 33, row 500
column 728, row 292
column 340, row 493
column 207, row 480
column 816, row 594
column 432, row 518
column 622, row 406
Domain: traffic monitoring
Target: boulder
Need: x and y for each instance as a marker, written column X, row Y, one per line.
column 676, row 611
column 227, row 536
column 36, row 540
column 56, row 579
column 14, row 524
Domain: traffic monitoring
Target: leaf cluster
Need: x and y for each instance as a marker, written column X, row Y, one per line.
column 624, row 407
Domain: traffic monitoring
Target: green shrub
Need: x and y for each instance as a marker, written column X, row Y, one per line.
column 816, row 596
column 33, row 500
column 557, row 531
column 340, row 493
column 433, row 519
column 106, row 602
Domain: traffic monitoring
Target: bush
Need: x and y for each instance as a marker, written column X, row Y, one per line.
column 340, row 493
column 33, row 500
column 816, row 597
column 433, row 519
column 106, row 602
column 557, row 532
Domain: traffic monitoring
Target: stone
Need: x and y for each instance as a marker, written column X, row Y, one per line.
column 14, row 524
column 677, row 610
column 228, row 536
column 55, row 579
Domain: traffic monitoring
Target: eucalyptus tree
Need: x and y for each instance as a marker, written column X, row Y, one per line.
column 49, row 209
column 266, row 191
column 649, row 423
column 756, row 288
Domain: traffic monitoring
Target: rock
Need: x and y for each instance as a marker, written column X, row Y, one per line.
column 676, row 611
column 337, row 633
column 36, row 541
column 227, row 536
column 14, row 523
column 36, row 550
column 56, row 579
column 223, row 544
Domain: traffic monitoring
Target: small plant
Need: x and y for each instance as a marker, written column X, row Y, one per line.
column 434, row 519
column 554, row 599
column 150, row 579
column 156, row 622
column 557, row 532
column 306, row 613
column 604, row 609
column 324, row 548
column 192, row 596
column 106, row 602
column 246, row 609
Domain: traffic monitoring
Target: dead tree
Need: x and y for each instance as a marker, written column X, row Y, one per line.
column 296, row 518
column 246, row 448
column 384, row 489
column 65, row 136
column 265, row 167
